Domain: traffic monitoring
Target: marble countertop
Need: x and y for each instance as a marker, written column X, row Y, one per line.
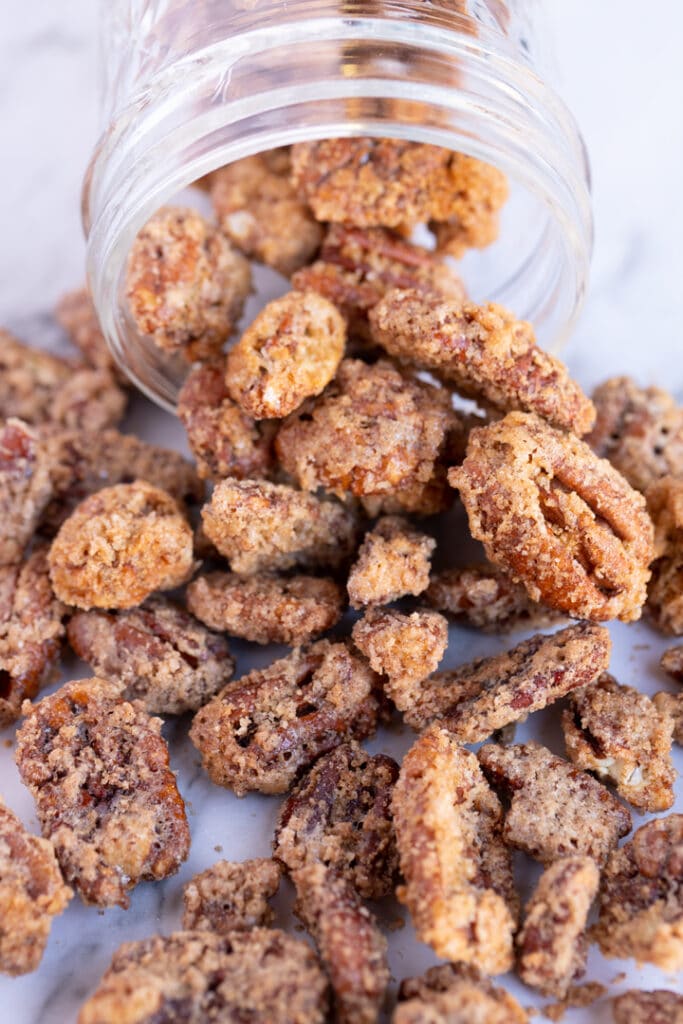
column 622, row 80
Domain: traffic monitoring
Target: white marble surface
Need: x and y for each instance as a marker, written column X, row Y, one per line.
column 623, row 79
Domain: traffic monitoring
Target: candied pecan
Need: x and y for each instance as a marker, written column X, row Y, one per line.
column 640, row 431
column 266, row 609
column 356, row 267
column 88, row 400
column 76, row 314
column 671, row 705
column 31, row 894
column 197, row 977
column 641, row 897
column 263, row 526
column 552, row 945
column 83, row 462
column 472, row 193
column 98, row 769
column 486, row 598
column 665, row 594
column 223, row 439
column 288, row 353
column 672, row 662
column 368, row 182
column 118, row 546
column 186, row 285
column 339, row 814
column 25, row 487
column 31, row 630
column 420, row 499
column 373, row 430
column 556, row 810
column 619, row 734
column 458, row 872
column 392, row 561
column 231, row 896
column 404, row 648
column 474, row 700
column 262, row 730
column 484, row 352
column 352, row 949
column 156, row 653
column 455, row 994
column 658, row 1007
column 558, row 518
column 257, row 208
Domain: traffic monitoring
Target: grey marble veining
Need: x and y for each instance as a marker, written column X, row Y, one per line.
column 621, row 73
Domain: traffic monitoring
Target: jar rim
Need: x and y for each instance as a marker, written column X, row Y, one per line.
column 501, row 113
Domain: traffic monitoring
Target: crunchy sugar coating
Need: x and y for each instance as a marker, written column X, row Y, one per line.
column 641, row 897
column 39, row 387
column 557, row 518
column 288, row 353
column 25, row 487
column 352, row 948
column 357, row 266
column 201, row 978
column 339, row 815
column 455, row 994
column 640, row 431
column 265, row 728
column 83, row 462
column 622, row 736
column 224, row 440
column 231, row 896
column 458, row 872
column 487, row 598
column 556, row 810
column 658, row 1007
column 484, row 352
column 260, row 526
column 392, row 562
column 97, row 767
column 473, row 194
column 672, row 662
column 31, row 631
column 31, row 894
column 404, row 648
column 474, row 700
column 665, row 593
column 156, row 653
column 372, row 431
column 119, row 546
column 186, row 285
column 671, row 704
column 368, row 182
column 257, row 208
column 266, row 609
column 552, row 945
column 76, row 314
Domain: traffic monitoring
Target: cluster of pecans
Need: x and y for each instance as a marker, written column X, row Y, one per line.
column 327, row 433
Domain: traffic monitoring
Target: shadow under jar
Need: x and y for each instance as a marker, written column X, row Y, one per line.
column 192, row 85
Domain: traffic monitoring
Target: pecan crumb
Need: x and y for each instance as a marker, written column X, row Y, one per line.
column 404, row 648
column 393, row 561
column 231, row 896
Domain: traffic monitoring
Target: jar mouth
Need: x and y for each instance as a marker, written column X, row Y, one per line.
column 326, row 78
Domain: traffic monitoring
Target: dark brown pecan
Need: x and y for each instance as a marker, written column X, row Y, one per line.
column 339, row 814
column 266, row 727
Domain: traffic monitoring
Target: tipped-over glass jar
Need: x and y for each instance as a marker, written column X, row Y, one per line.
column 192, row 86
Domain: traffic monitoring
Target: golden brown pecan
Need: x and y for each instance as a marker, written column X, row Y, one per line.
column 262, row 730
column 98, row 769
column 76, row 314
column 553, row 515
column 487, row 598
column 231, row 896
column 665, row 593
column 484, row 352
column 339, row 814
column 458, row 872
column 556, row 810
column 25, row 487
column 658, row 1007
column 466, row 217
column 186, row 285
column 404, row 648
column 392, row 562
column 455, row 994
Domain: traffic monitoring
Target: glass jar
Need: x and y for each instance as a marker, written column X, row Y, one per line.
column 193, row 84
